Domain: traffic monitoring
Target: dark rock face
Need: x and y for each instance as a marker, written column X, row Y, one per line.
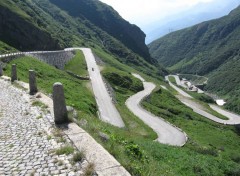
column 106, row 18
column 22, row 34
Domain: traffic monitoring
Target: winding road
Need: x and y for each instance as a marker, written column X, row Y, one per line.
column 188, row 101
column 167, row 134
column 107, row 111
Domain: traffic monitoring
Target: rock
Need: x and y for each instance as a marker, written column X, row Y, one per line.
column 14, row 73
column 70, row 109
column 83, row 122
column 38, row 95
column 59, row 105
column 32, row 83
column 104, row 137
column 1, row 71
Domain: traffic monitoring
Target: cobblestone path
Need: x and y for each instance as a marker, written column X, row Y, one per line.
column 27, row 146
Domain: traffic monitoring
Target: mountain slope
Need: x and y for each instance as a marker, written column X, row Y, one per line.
column 41, row 25
column 210, row 48
column 106, row 18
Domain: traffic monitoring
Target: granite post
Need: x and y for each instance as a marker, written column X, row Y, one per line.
column 1, row 70
column 59, row 105
column 14, row 73
column 32, row 82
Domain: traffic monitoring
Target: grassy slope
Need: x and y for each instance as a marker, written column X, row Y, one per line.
column 5, row 48
column 210, row 48
column 48, row 75
column 212, row 145
column 202, row 99
column 210, row 150
column 77, row 64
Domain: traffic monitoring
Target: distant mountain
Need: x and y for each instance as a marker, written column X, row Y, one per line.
column 210, row 48
column 56, row 24
column 106, row 18
column 199, row 13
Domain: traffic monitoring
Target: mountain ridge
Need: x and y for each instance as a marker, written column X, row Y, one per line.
column 209, row 48
column 56, row 29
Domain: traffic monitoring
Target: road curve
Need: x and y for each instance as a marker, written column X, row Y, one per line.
column 178, row 89
column 107, row 110
column 167, row 134
column 185, row 99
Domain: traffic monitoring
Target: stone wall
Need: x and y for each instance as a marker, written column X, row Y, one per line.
column 57, row 59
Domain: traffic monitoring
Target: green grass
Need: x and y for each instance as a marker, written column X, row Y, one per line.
column 5, row 48
column 67, row 150
column 77, row 64
column 211, row 147
column 201, row 99
column 78, row 157
column 172, row 79
column 47, row 75
column 89, row 170
column 40, row 104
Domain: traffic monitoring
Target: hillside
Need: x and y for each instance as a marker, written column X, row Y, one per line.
column 106, row 18
column 211, row 49
column 49, row 25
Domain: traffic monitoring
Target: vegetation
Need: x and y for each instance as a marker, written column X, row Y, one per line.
column 210, row 49
column 59, row 24
column 122, row 80
column 133, row 146
column 77, row 64
column 203, row 100
column 212, row 149
column 47, row 76
column 5, row 48
column 89, row 170
column 67, row 150
column 208, row 141
column 78, row 157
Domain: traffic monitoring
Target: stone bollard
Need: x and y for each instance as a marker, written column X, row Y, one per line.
column 32, row 82
column 59, row 106
column 1, row 71
column 14, row 73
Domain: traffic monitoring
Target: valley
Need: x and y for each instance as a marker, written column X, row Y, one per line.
column 125, row 95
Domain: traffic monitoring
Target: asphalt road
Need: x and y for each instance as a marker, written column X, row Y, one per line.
column 187, row 100
column 178, row 89
column 167, row 134
column 107, row 110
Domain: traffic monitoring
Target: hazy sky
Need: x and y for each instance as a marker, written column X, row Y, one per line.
column 141, row 12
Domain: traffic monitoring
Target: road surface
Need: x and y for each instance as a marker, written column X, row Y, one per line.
column 185, row 99
column 178, row 89
column 167, row 134
column 107, row 111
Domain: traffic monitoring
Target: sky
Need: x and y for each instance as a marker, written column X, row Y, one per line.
column 152, row 15
column 141, row 12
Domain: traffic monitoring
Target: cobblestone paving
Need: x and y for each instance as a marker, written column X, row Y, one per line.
column 26, row 143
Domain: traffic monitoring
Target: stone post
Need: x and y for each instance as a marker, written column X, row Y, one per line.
column 14, row 73
column 59, row 106
column 32, row 82
column 1, row 71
